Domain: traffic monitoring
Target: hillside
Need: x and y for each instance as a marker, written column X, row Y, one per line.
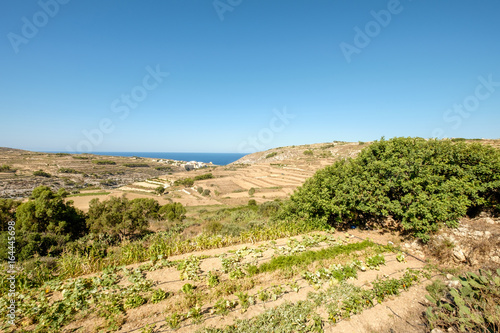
column 228, row 264
column 73, row 172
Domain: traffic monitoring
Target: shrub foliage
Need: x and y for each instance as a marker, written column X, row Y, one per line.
column 420, row 183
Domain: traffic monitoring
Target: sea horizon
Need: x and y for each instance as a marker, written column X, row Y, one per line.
column 215, row 158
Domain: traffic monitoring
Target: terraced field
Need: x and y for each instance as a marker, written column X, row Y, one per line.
column 323, row 278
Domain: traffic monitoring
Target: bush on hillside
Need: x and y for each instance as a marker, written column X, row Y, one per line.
column 421, row 184
column 121, row 217
column 44, row 224
column 172, row 212
column 204, row 176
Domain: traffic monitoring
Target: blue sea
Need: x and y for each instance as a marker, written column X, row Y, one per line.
column 215, row 158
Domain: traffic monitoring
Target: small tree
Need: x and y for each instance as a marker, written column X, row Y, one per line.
column 121, row 217
column 251, row 191
column 200, row 189
column 160, row 190
column 206, row 192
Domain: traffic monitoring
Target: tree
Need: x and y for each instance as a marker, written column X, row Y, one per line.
column 160, row 190
column 7, row 212
column 120, row 217
column 173, row 211
column 44, row 224
column 46, row 211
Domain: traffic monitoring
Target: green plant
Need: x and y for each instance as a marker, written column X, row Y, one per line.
column 158, row 296
column 104, row 162
column 308, row 152
column 472, row 307
column 223, row 306
column 160, row 190
column 136, row 165
column 212, row 279
column 204, row 176
column 133, row 301
column 251, row 191
column 271, row 154
column 174, row 320
column 422, row 184
column 375, row 261
column 187, row 289
column 41, row 173
column 195, row 313
column 245, row 300
column 190, row 268
column 149, row 328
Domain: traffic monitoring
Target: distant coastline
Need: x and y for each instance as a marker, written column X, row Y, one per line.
column 215, row 158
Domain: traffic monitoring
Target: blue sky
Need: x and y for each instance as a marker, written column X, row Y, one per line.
column 244, row 75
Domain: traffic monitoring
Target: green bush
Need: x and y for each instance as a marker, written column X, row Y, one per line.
column 206, row 192
column 251, row 191
column 121, row 217
column 172, row 212
column 204, row 176
column 271, row 154
column 103, row 162
column 187, row 182
column 308, row 152
column 68, row 170
column 420, row 183
column 44, row 224
column 41, row 173
column 136, row 165
column 163, row 168
column 6, row 168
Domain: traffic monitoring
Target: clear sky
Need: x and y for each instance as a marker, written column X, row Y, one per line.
column 244, row 75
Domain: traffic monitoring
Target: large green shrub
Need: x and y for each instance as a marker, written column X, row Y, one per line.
column 420, row 183
column 121, row 217
column 172, row 211
column 44, row 224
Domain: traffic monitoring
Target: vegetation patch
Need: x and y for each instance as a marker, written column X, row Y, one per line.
column 274, row 153
column 305, row 258
column 136, row 165
column 471, row 307
column 104, row 162
column 420, row 183
column 204, row 176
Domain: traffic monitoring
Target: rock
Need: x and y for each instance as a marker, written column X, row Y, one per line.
column 496, row 259
column 478, row 234
column 437, row 330
column 449, row 276
column 453, row 284
column 459, row 255
column 489, row 220
column 390, row 243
